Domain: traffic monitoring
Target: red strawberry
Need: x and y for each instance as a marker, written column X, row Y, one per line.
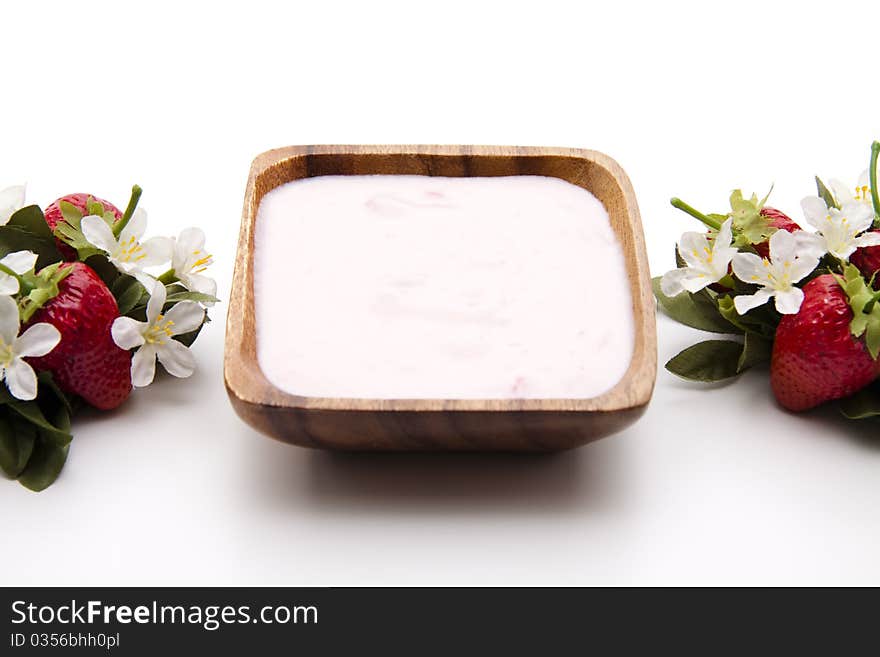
column 867, row 259
column 80, row 201
column 815, row 356
column 86, row 362
column 777, row 219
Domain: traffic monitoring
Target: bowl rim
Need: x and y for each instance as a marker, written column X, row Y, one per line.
column 248, row 385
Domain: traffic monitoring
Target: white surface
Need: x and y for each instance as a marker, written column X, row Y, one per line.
column 711, row 486
column 412, row 287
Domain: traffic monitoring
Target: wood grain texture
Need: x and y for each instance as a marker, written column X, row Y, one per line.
column 440, row 424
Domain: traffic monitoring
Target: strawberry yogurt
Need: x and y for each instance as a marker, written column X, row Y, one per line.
column 413, row 287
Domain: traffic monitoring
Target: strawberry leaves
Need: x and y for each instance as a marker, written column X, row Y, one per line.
column 70, row 232
column 749, row 225
column 866, row 311
column 26, row 230
column 715, row 360
column 707, row 361
column 35, row 435
column 698, row 310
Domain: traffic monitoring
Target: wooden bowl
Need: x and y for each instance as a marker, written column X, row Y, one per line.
column 439, row 424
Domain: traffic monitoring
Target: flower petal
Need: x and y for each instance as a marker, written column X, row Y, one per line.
column 98, row 233
column 11, row 199
column 694, row 280
column 871, row 238
column 20, row 261
column 783, row 247
column 38, row 340
column 802, row 267
column 204, row 285
column 725, row 235
column 8, row 284
column 156, row 302
column 745, row 302
column 858, row 216
column 693, row 248
column 143, row 278
column 840, row 191
column 789, row 302
column 749, row 268
column 128, row 333
column 157, row 251
column 176, row 359
column 671, row 282
column 135, row 227
column 815, row 211
column 143, row 366
column 189, row 240
column 21, row 380
column 8, row 320
column 185, row 316
column 809, row 244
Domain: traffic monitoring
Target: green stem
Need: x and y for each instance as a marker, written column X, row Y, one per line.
column 168, row 277
column 120, row 225
column 696, row 214
column 872, row 174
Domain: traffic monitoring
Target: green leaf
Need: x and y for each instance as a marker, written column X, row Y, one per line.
column 695, row 310
column 16, row 446
column 44, row 466
column 712, row 360
column 128, row 292
column 31, row 412
column 762, row 321
column 16, row 238
column 69, row 231
column 866, row 310
column 175, row 293
column 31, row 219
column 72, row 214
column 47, row 384
column 105, row 269
column 756, row 350
column 679, row 261
column 61, row 418
column 727, row 310
column 190, row 296
column 94, row 208
column 825, row 194
column 749, row 225
column 863, row 404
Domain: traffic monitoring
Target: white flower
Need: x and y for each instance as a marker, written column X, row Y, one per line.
column 11, row 199
column 844, row 195
column 153, row 338
column 706, row 263
column 38, row 340
column 190, row 259
column 128, row 253
column 840, row 232
column 777, row 275
column 19, row 262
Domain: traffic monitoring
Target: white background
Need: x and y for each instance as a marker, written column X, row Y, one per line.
column 692, row 98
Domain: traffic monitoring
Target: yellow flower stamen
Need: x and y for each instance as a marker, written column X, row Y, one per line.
column 159, row 331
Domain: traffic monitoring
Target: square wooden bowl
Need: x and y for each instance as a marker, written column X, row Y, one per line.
column 439, row 424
